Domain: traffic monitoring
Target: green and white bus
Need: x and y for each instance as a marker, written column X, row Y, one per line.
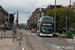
column 45, row 26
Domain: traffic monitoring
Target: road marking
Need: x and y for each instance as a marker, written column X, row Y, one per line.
column 58, row 47
column 22, row 48
column 61, row 49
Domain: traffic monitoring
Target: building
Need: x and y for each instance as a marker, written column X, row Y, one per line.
column 53, row 7
column 74, row 6
column 2, row 14
column 24, row 26
column 39, row 12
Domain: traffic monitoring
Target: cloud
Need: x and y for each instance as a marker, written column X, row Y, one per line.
column 23, row 18
column 23, row 6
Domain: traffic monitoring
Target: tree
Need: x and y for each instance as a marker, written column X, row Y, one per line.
column 61, row 14
column 34, row 25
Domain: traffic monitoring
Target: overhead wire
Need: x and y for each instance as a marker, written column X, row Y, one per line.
column 32, row 6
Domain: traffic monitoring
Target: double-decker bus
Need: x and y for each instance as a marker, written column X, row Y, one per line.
column 45, row 26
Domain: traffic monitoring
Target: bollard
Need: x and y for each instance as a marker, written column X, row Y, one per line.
column 4, row 34
column 13, row 36
column 1, row 35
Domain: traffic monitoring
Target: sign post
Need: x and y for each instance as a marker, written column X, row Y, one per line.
column 5, row 27
column 1, row 30
column 1, row 33
column 14, row 32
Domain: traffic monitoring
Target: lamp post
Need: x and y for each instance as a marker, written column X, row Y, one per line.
column 13, row 30
column 66, row 26
column 36, row 21
column 55, row 19
column 69, row 14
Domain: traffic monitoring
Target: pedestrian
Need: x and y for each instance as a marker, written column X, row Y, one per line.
column 63, row 30
column 60, row 30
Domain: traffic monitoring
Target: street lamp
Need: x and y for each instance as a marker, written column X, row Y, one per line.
column 36, row 21
column 14, row 29
column 69, row 14
column 55, row 19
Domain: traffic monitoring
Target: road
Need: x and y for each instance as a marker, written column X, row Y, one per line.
column 30, row 41
column 53, row 42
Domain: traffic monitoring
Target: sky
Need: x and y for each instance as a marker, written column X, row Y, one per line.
column 28, row 6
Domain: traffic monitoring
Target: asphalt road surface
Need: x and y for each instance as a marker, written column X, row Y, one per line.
column 54, row 42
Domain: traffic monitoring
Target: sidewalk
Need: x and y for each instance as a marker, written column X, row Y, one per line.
column 6, row 44
column 8, row 34
column 63, row 37
column 17, row 42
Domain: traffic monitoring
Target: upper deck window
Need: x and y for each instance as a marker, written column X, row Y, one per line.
column 47, row 19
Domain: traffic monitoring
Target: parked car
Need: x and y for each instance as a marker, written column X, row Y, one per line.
column 33, row 30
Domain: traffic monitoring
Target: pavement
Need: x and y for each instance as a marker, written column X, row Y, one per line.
column 63, row 37
column 6, row 44
column 8, row 34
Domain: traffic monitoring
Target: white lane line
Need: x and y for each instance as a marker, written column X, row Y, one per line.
column 22, row 48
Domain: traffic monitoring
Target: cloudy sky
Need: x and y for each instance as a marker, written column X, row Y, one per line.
column 28, row 6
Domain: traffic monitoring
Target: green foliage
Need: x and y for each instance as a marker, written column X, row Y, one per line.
column 73, row 25
column 61, row 15
column 34, row 25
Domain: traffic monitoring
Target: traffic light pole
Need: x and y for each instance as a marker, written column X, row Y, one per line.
column 1, row 33
column 5, row 27
column 13, row 31
column 8, row 18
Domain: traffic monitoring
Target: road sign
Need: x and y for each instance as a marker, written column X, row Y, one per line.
column 3, row 25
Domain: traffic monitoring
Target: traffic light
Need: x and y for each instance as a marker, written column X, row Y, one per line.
column 6, row 21
column 11, row 19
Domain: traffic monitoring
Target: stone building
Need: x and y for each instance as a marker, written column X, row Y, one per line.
column 74, row 9
column 73, row 6
column 53, row 7
column 39, row 12
column 2, row 14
